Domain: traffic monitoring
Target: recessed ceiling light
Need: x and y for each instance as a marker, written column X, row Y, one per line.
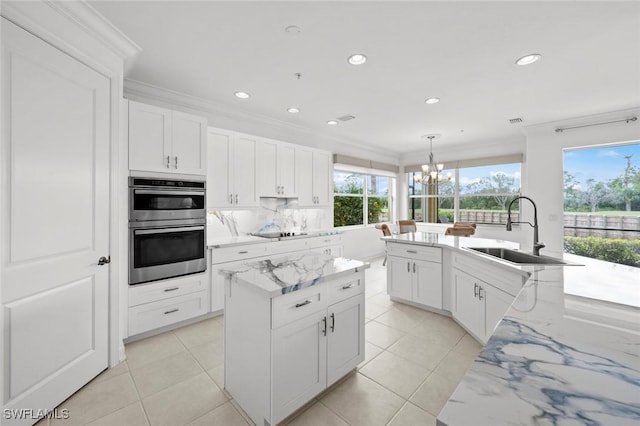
column 432, row 101
column 332, row 122
column 293, row 110
column 293, row 29
column 242, row 95
column 529, row 59
column 357, row 59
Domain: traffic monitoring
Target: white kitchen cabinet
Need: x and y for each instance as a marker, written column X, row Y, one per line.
column 161, row 303
column 313, row 177
column 282, row 351
column 345, row 332
column 415, row 274
column 275, row 172
column 231, row 171
column 477, row 305
column 161, row 140
column 299, row 363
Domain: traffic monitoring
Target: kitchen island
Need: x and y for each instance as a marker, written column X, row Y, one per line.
column 294, row 325
column 553, row 358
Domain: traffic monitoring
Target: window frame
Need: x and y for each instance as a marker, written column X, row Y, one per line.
column 365, row 195
column 458, row 196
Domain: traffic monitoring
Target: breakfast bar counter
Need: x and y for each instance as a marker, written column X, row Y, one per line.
column 554, row 359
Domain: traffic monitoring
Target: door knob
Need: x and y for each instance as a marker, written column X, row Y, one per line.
column 104, row 260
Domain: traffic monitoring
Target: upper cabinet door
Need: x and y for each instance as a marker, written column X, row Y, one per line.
column 267, row 169
column 189, row 136
column 287, row 170
column 219, row 191
column 243, row 171
column 304, row 176
column 149, row 138
column 321, row 177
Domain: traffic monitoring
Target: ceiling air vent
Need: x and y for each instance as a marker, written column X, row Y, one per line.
column 515, row 120
column 346, row 118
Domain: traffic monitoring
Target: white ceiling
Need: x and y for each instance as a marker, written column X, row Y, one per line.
column 461, row 52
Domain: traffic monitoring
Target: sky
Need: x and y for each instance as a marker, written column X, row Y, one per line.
column 600, row 164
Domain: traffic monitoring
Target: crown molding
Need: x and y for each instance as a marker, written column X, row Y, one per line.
column 138, row 90
column 95, row 24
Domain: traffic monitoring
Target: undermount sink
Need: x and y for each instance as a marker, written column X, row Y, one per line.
column 519, row 257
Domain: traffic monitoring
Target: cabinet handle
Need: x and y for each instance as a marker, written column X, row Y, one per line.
column 243, row 252
column 414, row 268
column 475, row 290
column 171, row 289
column 333, row 323
column 480, row 292
column 236, row 198
column 282, row 189
column 230, row 198
column 324, row 328
column 306, row 302
column 168, row 162
column 176, row 161
column 408, row 266
column 171, row 311
column 412, row 251
column 347, row 287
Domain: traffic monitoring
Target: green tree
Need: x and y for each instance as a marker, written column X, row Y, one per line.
column 594, row 194
column 571, row 192
column 626, row 187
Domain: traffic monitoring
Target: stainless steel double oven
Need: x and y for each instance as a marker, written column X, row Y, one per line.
column 167, row 227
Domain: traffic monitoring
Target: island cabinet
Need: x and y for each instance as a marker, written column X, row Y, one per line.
column 414, row 274
column 283, row 350
column 482, row 294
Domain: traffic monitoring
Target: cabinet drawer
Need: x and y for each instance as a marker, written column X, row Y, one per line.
column 231, row 254
column 280, row 247
column 294, row 306
column 344, row 288
column 151, row 292
column 169, row 311
column 431, row 254
column 327, row 240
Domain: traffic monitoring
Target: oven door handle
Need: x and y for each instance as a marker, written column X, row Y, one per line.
column 167, row 192
column 167, row 230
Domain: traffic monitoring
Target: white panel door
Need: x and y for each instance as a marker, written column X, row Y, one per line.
column 55, row 204
column 299, row 364
column 427, row 282
column 321, row 177
column 467, row 309
column 304, row 176
column 243, row 168
column 399, row 277
column 287, row 170
column 218, row 155
column 189, row 143
column 149, row 138
column 267, row 169
column 345, row 337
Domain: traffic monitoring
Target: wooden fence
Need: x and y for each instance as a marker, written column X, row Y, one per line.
column 575, row 224
column 584, row 225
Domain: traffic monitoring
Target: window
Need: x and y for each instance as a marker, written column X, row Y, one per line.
column 361, row 199
column 602, row 203
column 482, row 194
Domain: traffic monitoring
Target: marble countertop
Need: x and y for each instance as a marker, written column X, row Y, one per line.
column 232, row 241
column 293, row 272
column 555, row 358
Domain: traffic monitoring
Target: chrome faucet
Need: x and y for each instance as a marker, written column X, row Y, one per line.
column 536, row 244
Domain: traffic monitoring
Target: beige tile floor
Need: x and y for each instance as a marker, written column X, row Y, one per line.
column 414, row 360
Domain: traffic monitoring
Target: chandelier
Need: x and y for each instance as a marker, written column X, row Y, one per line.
column 432, row 172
